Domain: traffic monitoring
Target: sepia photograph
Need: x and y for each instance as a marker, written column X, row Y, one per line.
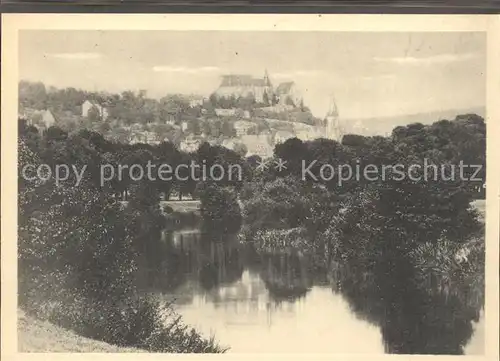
column 251, row 191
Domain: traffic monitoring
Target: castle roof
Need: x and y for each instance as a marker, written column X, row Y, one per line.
column 241, row 80
column 284, row 88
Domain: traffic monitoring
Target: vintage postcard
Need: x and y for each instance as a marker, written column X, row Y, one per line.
column 267, row 186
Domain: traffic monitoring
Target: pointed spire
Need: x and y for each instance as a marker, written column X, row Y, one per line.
column 333, row 110
column 332, row 127
column 267, row 82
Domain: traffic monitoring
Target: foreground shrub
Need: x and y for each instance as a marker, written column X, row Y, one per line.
column 78, row 265
column 219, row 208
column 139, row 322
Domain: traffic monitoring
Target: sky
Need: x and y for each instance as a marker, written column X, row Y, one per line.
column 369, row 74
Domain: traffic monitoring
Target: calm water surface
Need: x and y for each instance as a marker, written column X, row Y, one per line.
column 254, row 303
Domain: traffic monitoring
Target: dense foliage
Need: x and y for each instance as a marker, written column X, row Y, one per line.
column 81, row 255
column 404, row 252
column 408, row 254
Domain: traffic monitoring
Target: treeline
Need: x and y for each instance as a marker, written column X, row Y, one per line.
column 82, row 255
column 92, row 150
column 397, row 250
column 128, row 107
column 407, row 255
column 80, row 258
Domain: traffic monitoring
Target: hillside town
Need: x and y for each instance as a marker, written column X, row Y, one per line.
column 245, row 114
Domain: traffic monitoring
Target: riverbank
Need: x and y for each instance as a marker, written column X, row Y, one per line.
column 35, row 335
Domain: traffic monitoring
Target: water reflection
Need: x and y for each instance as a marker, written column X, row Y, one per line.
column 282, row 302
column 412, row 319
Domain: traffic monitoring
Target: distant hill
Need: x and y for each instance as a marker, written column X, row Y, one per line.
column 385, row 125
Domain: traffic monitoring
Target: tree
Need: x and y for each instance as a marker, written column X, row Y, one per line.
column 274, row 99
column 265, row 99
column 122, row 135
column 33, row 95
column 292, row 151
column 219, row 208
column 214, row 101
column 228, row 129
column 241, row 149
column 194, row 127
column 104, row 127
column 94, row 115
column 162, row 131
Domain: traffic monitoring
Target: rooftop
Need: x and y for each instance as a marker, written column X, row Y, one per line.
column 242, row 80
column 284, row 88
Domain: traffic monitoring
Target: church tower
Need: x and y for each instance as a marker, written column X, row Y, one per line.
column 267, row 81
column 267, row 88
column 332, row 124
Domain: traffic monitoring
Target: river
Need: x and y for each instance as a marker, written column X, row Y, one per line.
column 273, row 303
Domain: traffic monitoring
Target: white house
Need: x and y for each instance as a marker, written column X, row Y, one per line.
column 225, row 112
column 190, row 145
column 258, row 145
column 196, row 101
column 309, row 133
column 39, row 118
column 48, row 118
column 144, row 137
column 229, row 144
column 87, row 105
column 243, row 127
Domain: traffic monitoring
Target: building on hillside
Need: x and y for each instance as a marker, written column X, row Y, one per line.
column 243, row 127
column 28, row 114
column 282, row 136
column 242, row 85
column 258, row 145
column 38, row 118
column 144, row 137
column 170, row 122
column 307, row 134
column 88, row 105
column 226, row 112
column 48, row 118
column 196, row 101
column 229, row 144
column 278, row 108
column 136, row 127
column 287, row 93
column 190, row 144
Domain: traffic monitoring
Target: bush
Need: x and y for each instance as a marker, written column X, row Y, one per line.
column 219, row 208
column 78, row 266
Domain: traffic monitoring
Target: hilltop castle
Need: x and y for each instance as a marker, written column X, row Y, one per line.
column 241, row 85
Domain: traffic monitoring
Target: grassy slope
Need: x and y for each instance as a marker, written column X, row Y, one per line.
column 41, row 336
